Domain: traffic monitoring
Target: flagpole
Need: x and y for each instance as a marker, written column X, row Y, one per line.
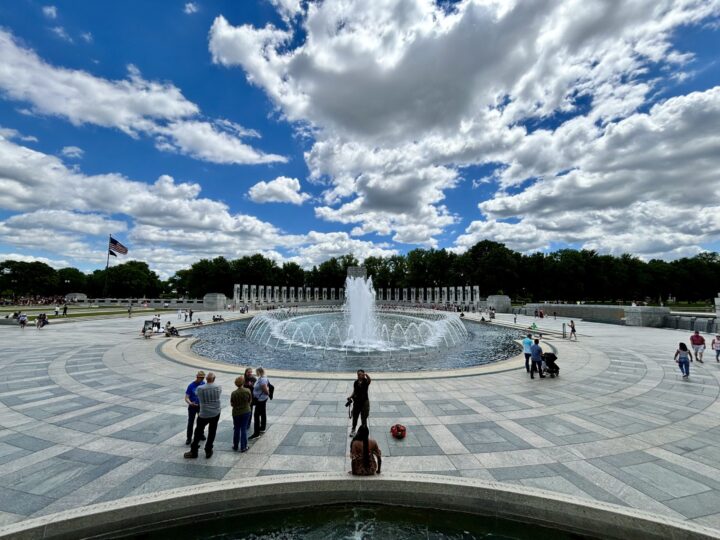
column 107, row 265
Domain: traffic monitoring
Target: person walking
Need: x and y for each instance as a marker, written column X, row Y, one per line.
column 240, row 400
column 190, row 314
column 698, row 345
column 363, row 454
column 65, row 310
column 129, row 311
column 261, row 394
column 573, row 330
column 209, row 415
column 683, row 357
column 360, row 400
column 536, row 353
column 193, row 404
column 716, row 347
column 526, row 344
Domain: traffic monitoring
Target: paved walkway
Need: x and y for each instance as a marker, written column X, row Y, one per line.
column 91, row 412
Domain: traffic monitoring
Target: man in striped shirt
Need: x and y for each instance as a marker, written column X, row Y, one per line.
column 209, row 397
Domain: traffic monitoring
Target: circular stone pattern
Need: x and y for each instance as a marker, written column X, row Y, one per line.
column 229, row 342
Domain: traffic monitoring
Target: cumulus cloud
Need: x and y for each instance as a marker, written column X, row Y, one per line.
column 60, row 32
column 9, row 133
column 282, row 189
column 644, row 186
column 55, row 263
column 133, row 105
column 399, row 96
column 73, row 152
column 166, row 223
column 50, row 12
column 318, row 247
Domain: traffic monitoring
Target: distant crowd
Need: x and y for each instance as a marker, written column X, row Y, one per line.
column 32, row 300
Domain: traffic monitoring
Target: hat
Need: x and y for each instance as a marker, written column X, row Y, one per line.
column 200, row 374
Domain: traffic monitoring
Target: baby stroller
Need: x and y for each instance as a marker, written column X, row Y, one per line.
column 552, row 368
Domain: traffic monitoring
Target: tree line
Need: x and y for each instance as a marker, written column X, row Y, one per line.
column 564, row 275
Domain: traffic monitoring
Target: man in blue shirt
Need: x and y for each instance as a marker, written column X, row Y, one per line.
column 193, row 404
column 527, row 343
column 536, row 353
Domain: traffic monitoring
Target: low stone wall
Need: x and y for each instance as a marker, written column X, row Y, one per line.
column 587, row 312
column 706, row 325
column 192, row 505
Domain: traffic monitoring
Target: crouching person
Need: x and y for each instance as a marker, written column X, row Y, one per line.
column 363, row 454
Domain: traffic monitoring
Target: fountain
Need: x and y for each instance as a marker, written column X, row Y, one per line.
column 359, row 328
column 359, row 334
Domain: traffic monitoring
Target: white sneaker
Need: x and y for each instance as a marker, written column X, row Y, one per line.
column 352, row 434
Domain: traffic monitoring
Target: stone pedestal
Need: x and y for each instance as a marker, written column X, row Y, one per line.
column 646, row 316
column 500, row 302
column 214, row 302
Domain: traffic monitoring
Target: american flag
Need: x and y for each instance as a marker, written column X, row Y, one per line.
column 117, row 247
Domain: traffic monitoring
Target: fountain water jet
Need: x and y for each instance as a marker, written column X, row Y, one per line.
column 359, row 329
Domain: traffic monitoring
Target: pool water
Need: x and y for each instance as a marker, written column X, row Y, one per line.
column 360, row 523
column 228, row 343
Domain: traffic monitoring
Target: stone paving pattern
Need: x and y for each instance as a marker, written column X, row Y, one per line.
column 91, row 412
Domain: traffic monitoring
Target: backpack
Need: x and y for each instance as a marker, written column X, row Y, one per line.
column 271, row 390
column 398, row 431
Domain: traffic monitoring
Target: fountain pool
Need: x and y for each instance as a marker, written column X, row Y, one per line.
column 357, row 336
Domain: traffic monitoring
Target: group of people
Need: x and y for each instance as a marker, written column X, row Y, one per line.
column 249, row 406
column 204, row 406
column 185, row 314
column 537, row 361
column 683, row 356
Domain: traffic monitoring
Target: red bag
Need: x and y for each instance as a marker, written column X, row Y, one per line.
column 398, row 431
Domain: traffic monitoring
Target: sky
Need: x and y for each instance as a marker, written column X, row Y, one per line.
column 305, row 129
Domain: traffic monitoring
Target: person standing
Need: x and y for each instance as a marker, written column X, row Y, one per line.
column 526, row 344
column 716, row 347
column 683, row 358
column 179, row 314
column 190, row 314
column 363, row 452
column 129, row 311
column 57, row 311
column 240, row 400
column 698, row 345
column 209, row 415
column 573, row 331
column 536, row 353
column 261, row 394
column 250, row 381
column 193, row 404
column 360, row 400
column 185, row 313
column 65, row 310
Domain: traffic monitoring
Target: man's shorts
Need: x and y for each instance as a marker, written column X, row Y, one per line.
column 698, row 348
